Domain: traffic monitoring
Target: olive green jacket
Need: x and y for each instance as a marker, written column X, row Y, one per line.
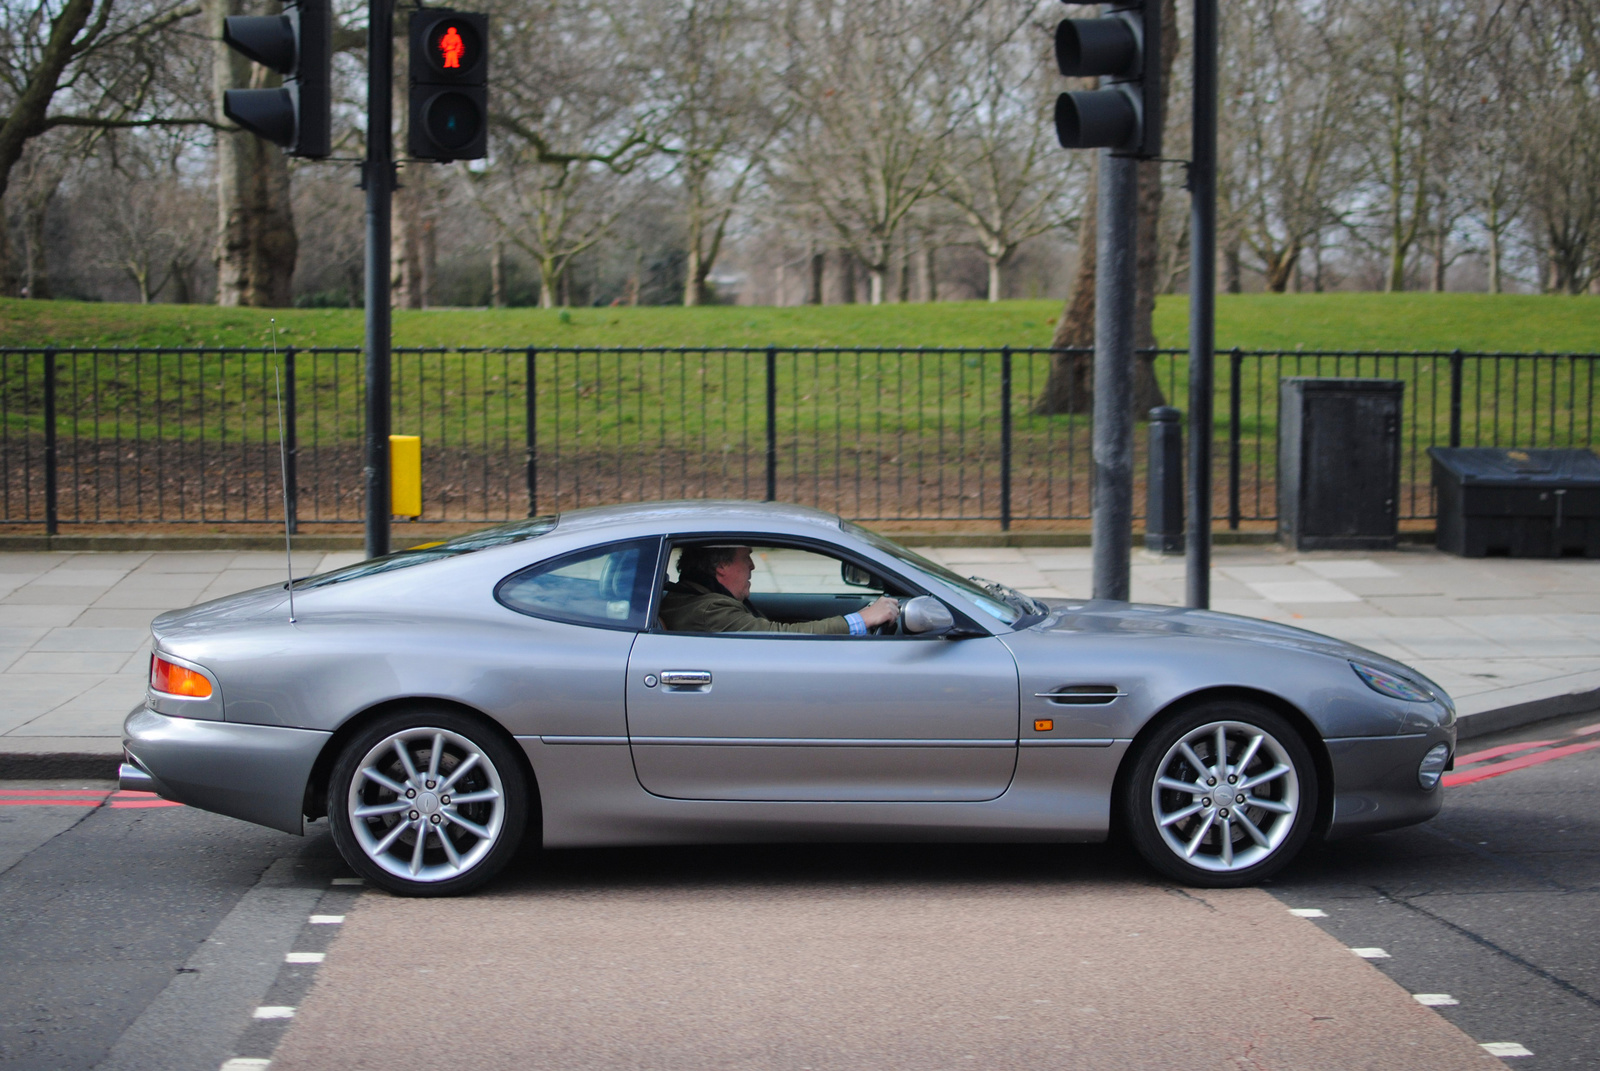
column 691, row 607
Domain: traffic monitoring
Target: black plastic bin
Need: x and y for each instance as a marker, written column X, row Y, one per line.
column 1339, row 463
column 1518, row 503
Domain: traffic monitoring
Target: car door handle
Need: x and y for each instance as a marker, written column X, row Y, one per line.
column 686, row 678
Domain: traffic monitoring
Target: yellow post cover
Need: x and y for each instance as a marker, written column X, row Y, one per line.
column 405, row 475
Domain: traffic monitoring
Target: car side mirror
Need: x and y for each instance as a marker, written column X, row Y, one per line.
column 927, row 615
column 854, row 575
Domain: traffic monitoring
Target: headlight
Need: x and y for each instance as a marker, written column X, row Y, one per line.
column 1433, row 764
column 1389, row 684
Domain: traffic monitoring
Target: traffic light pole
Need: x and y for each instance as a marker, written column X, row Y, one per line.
column 377, row 178
column 1202, row 302
column 1115, row 283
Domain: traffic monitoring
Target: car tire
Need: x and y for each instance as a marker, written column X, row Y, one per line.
column 1187, row 829
column 428, row 802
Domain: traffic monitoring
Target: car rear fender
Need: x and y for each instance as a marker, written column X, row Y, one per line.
column 316, row 800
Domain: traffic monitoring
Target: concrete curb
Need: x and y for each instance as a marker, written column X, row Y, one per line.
column 44, row 759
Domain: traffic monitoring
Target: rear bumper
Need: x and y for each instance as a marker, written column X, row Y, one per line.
column 257, row 773
column 1375, row 782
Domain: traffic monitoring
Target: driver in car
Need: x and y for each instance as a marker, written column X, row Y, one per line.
column 712, row 592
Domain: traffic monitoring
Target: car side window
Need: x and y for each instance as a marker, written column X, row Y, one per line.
column 608, row 587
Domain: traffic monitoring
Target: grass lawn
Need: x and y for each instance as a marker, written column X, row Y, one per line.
column 1510, row 322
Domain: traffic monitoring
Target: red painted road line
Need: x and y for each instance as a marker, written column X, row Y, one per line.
column 120, row 804
column 1503, row 749
column 1482, row 773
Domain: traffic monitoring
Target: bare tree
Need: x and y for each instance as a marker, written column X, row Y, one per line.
column 84, row 63
column 1003, row 170
column 1288, row 106
column 874, row 117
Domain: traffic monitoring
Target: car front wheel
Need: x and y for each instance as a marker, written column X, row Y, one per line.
column 1221, row 795
column 427, row 803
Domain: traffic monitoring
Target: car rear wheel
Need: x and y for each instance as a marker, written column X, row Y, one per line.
column 1221, row 795
column 427, row 803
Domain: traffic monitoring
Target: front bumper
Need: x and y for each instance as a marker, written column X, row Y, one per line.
column 1375, row 782
column 257, row 773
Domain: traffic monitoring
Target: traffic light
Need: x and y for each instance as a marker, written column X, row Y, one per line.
column 1122, row 48
column 298, row 45
column 449, row 85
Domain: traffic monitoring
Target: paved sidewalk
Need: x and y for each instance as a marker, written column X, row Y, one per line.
column 1510, row 639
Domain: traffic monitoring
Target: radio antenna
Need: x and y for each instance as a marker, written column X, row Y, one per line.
column 283, row 465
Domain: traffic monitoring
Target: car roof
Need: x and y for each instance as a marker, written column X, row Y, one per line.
column 698, row 515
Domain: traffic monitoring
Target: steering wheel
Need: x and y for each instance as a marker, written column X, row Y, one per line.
column 890, row 628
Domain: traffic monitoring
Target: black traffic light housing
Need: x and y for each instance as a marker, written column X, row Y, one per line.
column 298, row 45
column 449, row 73
column 1123, row 49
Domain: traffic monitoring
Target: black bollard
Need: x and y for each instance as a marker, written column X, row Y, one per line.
column 1164, row 515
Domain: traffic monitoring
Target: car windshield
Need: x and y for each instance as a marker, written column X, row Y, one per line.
column 499, row 536
column 1005, row 604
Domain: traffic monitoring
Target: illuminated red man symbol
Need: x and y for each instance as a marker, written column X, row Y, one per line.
column 452, row 47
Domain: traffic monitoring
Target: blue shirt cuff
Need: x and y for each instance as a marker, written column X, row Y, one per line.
column 858, row 627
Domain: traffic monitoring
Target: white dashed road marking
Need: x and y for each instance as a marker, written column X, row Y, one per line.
column 1308, row 912
column 326, row 920
column 1370, row 953
column 305, row 957
column 1434, row 1000
column 274, row 1011
column 1505, row 1048
column 245, row 1063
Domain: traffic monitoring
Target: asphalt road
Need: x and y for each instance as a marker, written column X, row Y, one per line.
column 153, row 937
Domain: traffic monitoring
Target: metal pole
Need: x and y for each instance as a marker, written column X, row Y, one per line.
column 291, row 449
column 52, row 519
column 377, row 179
column 1005, row 439
column 772, row 424
column 1202, row 302
column 1455, row 398
column 1113, row 376
column 533, row 430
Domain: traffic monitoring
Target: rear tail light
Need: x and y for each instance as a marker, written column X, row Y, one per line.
column 176, row 680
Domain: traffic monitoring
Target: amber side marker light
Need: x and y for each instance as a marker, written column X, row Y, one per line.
column 176, row 680
column 1043, row 725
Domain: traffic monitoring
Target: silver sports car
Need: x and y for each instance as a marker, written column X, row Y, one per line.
column 439, row 703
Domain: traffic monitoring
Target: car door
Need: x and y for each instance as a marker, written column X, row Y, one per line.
column 778, row 716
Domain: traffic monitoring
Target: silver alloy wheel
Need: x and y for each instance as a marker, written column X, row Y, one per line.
column 1225, row 796
column 426, row 804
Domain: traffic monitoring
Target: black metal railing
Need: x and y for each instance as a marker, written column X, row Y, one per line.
column 179, row 436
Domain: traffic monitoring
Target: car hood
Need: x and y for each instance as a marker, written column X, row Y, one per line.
column 1105, row 616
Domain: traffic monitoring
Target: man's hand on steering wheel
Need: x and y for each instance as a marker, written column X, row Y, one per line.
column 882, row 612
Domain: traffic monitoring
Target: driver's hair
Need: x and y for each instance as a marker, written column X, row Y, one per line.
column 702, row 561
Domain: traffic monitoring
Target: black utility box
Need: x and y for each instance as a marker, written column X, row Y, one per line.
column 1520, row 503
column 1339, row 463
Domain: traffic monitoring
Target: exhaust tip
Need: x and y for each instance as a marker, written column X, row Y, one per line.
column 133, row 778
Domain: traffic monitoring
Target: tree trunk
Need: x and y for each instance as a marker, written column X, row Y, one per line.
column 256, row 243
column 694, row 276
column 36, row 270
column 8, row 270
column 1494, row 252
column 1280, row 268
column 1233, row 265
column 819, row 262
column 875, row 281
column 902, row 288
column 847, row 277
column 930, row 270
column 1070, row 386
column 994, row 279
column 497, row 275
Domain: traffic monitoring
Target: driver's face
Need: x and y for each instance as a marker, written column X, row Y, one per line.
column 735, row 575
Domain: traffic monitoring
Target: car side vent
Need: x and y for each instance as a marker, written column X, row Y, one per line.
column 1082, row 695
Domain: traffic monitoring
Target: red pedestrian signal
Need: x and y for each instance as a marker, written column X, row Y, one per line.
column 449, row 114
column 451, row 47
